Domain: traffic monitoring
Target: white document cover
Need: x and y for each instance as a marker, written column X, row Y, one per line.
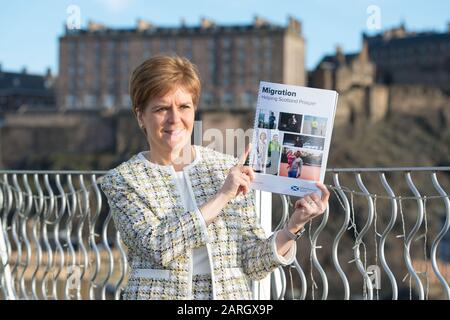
column 291, row 138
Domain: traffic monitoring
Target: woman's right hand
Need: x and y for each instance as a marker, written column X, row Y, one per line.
column 239, row 177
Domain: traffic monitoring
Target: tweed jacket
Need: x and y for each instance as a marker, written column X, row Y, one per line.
column 160, row 233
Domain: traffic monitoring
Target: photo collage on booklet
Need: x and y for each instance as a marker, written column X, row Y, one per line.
column 289, row 144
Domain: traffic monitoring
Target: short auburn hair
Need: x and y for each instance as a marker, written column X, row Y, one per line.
column 158, row 76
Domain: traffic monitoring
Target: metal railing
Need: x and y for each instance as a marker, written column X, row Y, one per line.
column 58, row 241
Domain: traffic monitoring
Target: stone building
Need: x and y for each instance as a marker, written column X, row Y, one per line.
column 21, row 90
column 95, row 63
column 413, row 58
column 396, row 71
column 353, row 77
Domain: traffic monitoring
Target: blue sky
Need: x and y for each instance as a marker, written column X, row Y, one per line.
column 29, row 30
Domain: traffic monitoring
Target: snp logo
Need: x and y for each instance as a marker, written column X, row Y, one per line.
column 295, row 188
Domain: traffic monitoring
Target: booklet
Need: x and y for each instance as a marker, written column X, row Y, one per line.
column 291, row 138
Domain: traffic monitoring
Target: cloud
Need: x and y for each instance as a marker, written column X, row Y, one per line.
column 116, row 5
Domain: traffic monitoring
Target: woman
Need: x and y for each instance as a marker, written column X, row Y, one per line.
column 261, row 148
column 186, row 213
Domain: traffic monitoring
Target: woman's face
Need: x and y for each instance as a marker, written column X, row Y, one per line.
column 262, row 136
column 169, row 120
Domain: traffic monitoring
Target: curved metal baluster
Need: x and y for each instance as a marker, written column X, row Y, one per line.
column 440, row 235
column 338, row 237
column 302, row 276
column 36, row 220
column 45, row 217
column 388, row 229
column 6, row 281
column 3, row 265
column 110, row 256
column 21, row 223
column 406, row 253
column 314, row 248
column 123, row 266
column 283, row 283
column 23, row 227
column 285, row 212
column 361, row 235
column 93, row 244
column 15, row 235
column 6, row 212
column 28, row 208
column 297, row 266
column 123, row 260
column 84, row 213
column 283, row 220
column 72, row 208
column 56, row 230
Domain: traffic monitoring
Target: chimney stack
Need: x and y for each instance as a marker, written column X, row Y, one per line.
column 259, row 22
column 94, row 26
column 206, row 23
column 294, row 24
column 142, row 25
column 340, row 54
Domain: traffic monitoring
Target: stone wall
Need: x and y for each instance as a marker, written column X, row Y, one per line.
column 376, row 101
column 36, row 135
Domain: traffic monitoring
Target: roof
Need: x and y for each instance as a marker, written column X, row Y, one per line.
column 24, row 83
column 332, row 59
column 415, row 39
column 172, row 31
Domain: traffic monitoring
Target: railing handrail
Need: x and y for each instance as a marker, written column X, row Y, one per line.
column 14, row 224
column 385, row 169
column 332, row 170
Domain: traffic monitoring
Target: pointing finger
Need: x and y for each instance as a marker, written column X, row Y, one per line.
column 244, row 155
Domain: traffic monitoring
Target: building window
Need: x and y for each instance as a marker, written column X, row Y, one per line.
column 126, row 101
column 211, row 45
column 226, row 74
column 110, row 83
column 108, row 101
column 188, row 49
column 163, row 46
column 80, row 83
column 247, row 99
column 256, row 42
column 226, row 43
column 70, row 101
column 227, row 99
column 111, row 46
column 212, row 67
column 206, row 100
column 81, row 70
column 147, row 49
column 90, row 101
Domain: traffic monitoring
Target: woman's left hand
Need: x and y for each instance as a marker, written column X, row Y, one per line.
column 308, row 207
